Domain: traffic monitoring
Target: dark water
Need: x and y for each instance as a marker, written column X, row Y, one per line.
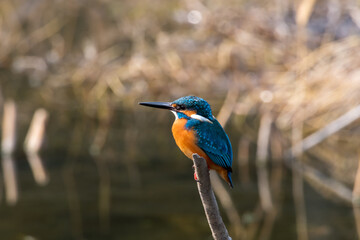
column 141, row 187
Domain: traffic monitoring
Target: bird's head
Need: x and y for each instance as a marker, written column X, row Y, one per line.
column 186, row 107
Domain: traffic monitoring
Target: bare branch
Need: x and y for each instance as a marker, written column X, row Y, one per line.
column 228, row 205
column 217, row 226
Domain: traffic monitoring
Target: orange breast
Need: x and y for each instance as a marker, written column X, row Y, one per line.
column 186, row 141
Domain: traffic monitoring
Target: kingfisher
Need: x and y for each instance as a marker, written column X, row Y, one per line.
column 196, row 130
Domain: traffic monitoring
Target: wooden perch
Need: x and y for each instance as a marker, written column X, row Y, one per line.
column 217, row 226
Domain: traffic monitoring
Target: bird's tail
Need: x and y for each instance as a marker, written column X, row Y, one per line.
column 230, row 180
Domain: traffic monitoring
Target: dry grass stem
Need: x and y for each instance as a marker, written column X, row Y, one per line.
column 8, row 140
column 261, row 160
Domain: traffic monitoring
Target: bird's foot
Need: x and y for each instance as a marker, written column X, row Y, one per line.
column 196, row 178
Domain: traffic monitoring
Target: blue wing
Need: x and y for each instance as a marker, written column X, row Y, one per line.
column 213, row 140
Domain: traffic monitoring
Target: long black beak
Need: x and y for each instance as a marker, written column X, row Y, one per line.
column 163, row 105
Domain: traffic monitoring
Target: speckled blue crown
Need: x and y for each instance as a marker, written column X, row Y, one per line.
column 201, row 106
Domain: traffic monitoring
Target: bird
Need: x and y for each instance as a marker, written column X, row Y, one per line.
column 196, row 130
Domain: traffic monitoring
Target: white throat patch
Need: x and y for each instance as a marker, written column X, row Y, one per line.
column 200, row 118
column 176, row 116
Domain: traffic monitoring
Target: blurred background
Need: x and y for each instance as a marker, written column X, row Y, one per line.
column 82, row 160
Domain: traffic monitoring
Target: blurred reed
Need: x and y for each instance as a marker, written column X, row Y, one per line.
column 32, row 144
column 8, row 142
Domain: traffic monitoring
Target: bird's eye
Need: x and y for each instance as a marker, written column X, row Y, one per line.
column 180, row 107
